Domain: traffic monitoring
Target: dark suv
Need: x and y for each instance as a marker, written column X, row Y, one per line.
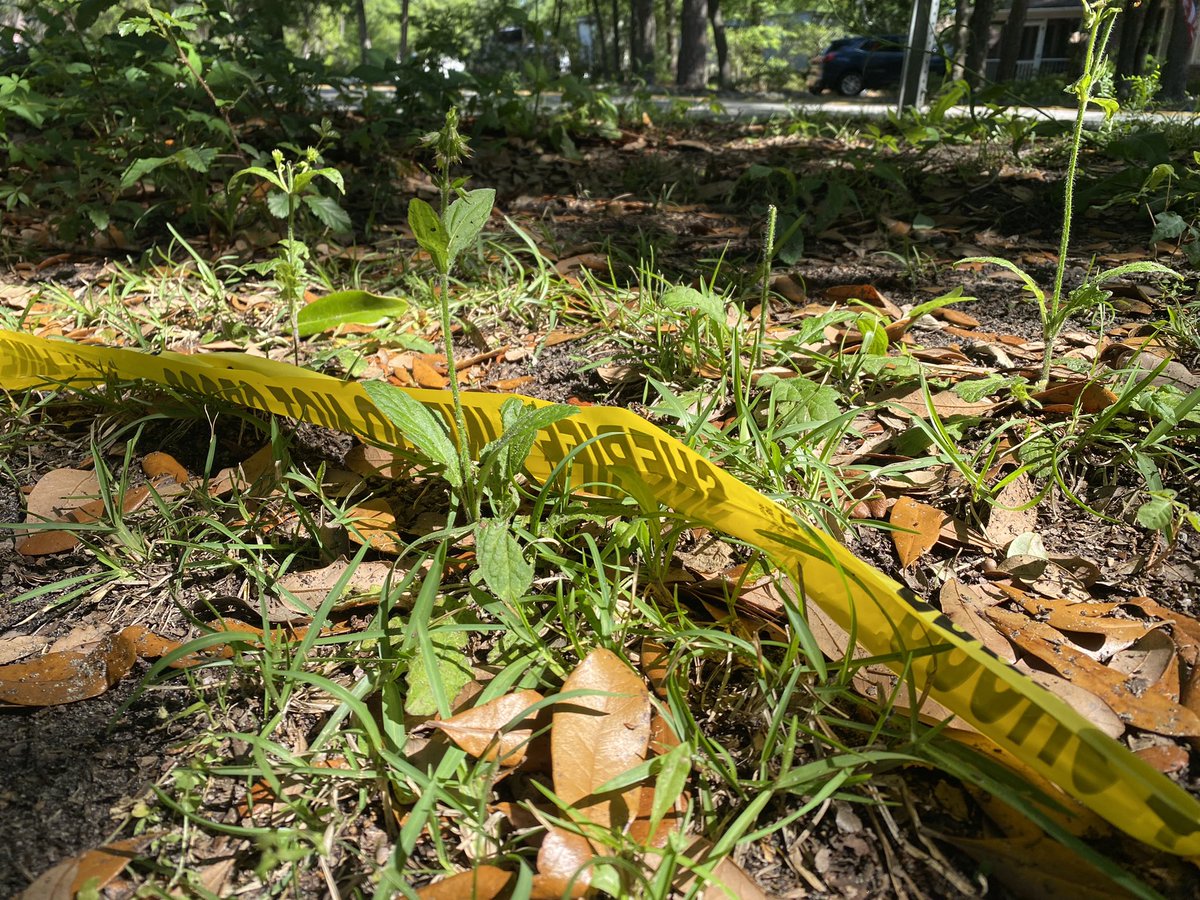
column 851, row 64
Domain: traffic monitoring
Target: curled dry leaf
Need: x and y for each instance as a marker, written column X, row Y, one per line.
column 426, row 375
column 480, row 883
column 299, row 594
column 1148, row 710
column 158, row 464
column 917, row 526
column 562, row 864
column 1065, row 396
column 964, row 604
column 375, row 523
column 91, row 870
column 376, row 462
column 259, row 470
column 598, row 736
column 46, row 541
column 66, row 677
column 945, row 403
column 499, row 728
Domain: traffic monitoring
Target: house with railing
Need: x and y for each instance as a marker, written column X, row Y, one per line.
column 1048, row 39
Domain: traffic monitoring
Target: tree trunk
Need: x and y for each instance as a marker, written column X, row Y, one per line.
column 962, row 36
column 1148, row 39
column 721, row 43
column 616, row 20
column 1130, row 24
column 1010, row 41
column 644, row 38
column 364, row 36
column 1175, row 70
column 600, row 58
column 693, row 44
column 977, row 44
column 671, row 45
column 404, row 31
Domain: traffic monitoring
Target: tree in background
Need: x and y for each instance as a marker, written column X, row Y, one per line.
column 644, row 37
column 720, row 43
column 979, row 33
column 1010, row 40
column 692, row 71
column 1179, row 52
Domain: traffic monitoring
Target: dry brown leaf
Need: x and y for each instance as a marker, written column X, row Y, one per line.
column 426, row 375
column 149, row 645
column 374, row 523
column 789, row 288
column 246, row 475
column 945, row 403
column 639, row 829
column 600, row 735
column 561, row 856
column 481, row 731
column 480, row 883
column 18, row 646
column 1082, row 701
column 376, row 462
column 728, row 881
column 158, row 464
column 57, row 678
column 46, row 541
column 867, row 294
column 964, row 604
column 1089, row 396
column 57, row 493
column 1147, row 710
column 653, row 661
column 1084, row 617
column 90, row 870
column 917, row 526
column 309, row 589
column 1006, row 519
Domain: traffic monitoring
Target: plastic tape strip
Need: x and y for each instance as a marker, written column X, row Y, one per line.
column 634, row 456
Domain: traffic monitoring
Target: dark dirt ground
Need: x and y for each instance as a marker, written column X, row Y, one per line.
column 69, row 775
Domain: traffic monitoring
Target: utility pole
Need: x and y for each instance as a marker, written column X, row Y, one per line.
column 915, row 73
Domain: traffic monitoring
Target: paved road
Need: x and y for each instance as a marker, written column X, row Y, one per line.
column 872, row 106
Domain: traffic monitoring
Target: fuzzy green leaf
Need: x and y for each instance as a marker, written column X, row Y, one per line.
column 331, row 215
column 465, row 220
column 683, row 297
column 422, row 428
column 440, row 668
column 501, row 564
column 1157, row 513
column 427, row 229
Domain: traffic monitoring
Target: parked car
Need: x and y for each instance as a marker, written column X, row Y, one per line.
column 851, row 64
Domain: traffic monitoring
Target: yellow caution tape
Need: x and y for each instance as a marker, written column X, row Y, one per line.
column 617, row 447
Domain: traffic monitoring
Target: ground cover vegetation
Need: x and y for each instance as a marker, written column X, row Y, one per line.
column 248, row 654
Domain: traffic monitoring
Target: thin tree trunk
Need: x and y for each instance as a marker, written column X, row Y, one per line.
column 724, row 75
column 1010, row 41
column 599, row 59
column 693, row 44
column 404, row 31
column 616, row 20
column 1179, row 45
column 671, row 44
column 977, row 45
column 1149, row 36
column 364, row 36
column 962, row 35
column 644, row 38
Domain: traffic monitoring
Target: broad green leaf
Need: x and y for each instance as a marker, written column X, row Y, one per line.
column 140, row 168
column 1167, row 227
column 683, row 297
column 99, row 217
column 502, row 566
column 278, row 204
column 1028, row 543
column 349, row 307
column 521, row 426
column 874, row 334
column 1157, row 513
column 975, row 390
column 198, row 159
column 465, row 220
column 800, row 401
column 439, row 668
column 427, row 229
column 1110, row 106
column 265, row 174
column 422, row 428
column 331, row 215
